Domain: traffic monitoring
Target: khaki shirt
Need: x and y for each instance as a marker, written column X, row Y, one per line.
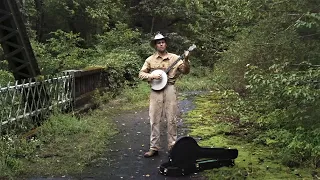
column 155, row 61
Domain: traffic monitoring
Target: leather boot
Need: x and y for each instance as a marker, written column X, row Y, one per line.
column 151, row 153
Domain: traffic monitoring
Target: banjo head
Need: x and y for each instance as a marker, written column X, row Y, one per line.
column 158, row 84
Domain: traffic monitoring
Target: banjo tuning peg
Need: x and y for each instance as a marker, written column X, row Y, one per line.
column 192, row 47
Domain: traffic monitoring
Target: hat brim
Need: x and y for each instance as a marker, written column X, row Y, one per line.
column 153, row 41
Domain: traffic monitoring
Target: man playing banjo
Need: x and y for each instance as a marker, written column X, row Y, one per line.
column 163, row 101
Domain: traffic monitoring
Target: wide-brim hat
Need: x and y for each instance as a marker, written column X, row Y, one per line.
column 157, row 37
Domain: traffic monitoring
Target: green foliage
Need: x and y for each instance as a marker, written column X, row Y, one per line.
column 212, row 25
column 122, row 66
column 113, row 51
column 103, row 11
column 285, row 103
column 309, row 20
column 61, row 52
column 199, row 79
column 79, row 16
column 13, row 151
column 273, row 39
column 211, row 122
column 163, row 8
column 119, row 37
column 135, row 95
column 99, row 97
column 63, row 125
column 5, row 74
column 63, row 144
column 267, row 51
column 274, row 65
column 5, row 77
column 144, row 50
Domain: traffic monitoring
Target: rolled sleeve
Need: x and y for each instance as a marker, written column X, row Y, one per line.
column 144, row 71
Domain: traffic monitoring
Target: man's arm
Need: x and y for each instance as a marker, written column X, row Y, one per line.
column 144, row 73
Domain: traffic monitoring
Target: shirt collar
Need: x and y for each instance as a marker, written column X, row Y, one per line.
column 164, row 57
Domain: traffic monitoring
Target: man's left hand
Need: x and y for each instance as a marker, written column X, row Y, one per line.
column 186, row 54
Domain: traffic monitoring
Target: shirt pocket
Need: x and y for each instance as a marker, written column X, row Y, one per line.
column 155, row 66
column 164, row 65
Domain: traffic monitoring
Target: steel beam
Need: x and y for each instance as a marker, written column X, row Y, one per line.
column 15, row 42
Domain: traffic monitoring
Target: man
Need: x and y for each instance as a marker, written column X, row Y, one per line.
column 163, row 103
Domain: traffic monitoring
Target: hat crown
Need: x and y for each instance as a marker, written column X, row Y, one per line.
column 158, row 36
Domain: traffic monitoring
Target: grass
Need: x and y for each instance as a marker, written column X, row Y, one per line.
column 136, row 97
column 202, row 82
column 69, row 144
column 210, row 122
column 63, row 145
column 66, row 144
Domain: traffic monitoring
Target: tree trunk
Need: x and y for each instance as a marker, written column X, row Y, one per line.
column 152, row 24
column 71, row 20
column 40, row 19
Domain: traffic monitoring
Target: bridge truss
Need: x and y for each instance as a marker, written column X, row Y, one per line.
column 15, row 42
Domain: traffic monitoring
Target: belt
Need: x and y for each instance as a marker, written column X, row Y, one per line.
column 170, row 83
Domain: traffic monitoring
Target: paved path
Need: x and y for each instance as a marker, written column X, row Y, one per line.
column 124, row 159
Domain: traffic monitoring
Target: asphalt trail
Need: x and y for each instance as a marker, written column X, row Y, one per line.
column 124, row 158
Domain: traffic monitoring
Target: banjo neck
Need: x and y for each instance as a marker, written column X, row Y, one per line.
column 181, row 57
column 173, row 64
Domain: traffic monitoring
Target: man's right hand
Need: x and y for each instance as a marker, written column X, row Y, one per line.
column 155, row 76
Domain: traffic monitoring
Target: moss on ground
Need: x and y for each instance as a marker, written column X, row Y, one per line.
column 210, row 122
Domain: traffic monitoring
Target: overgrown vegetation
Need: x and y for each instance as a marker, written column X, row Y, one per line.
column 216, row 126
column 274, row 67
column 63, row 144
column 66, row 143
column 266, row 52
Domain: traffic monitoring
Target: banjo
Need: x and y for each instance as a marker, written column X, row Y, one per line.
column 159, row 84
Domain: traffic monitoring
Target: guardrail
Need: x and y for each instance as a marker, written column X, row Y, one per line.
column 32, row 97
column 89, row 80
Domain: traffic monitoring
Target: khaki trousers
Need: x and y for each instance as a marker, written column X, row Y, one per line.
column 163, row 105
